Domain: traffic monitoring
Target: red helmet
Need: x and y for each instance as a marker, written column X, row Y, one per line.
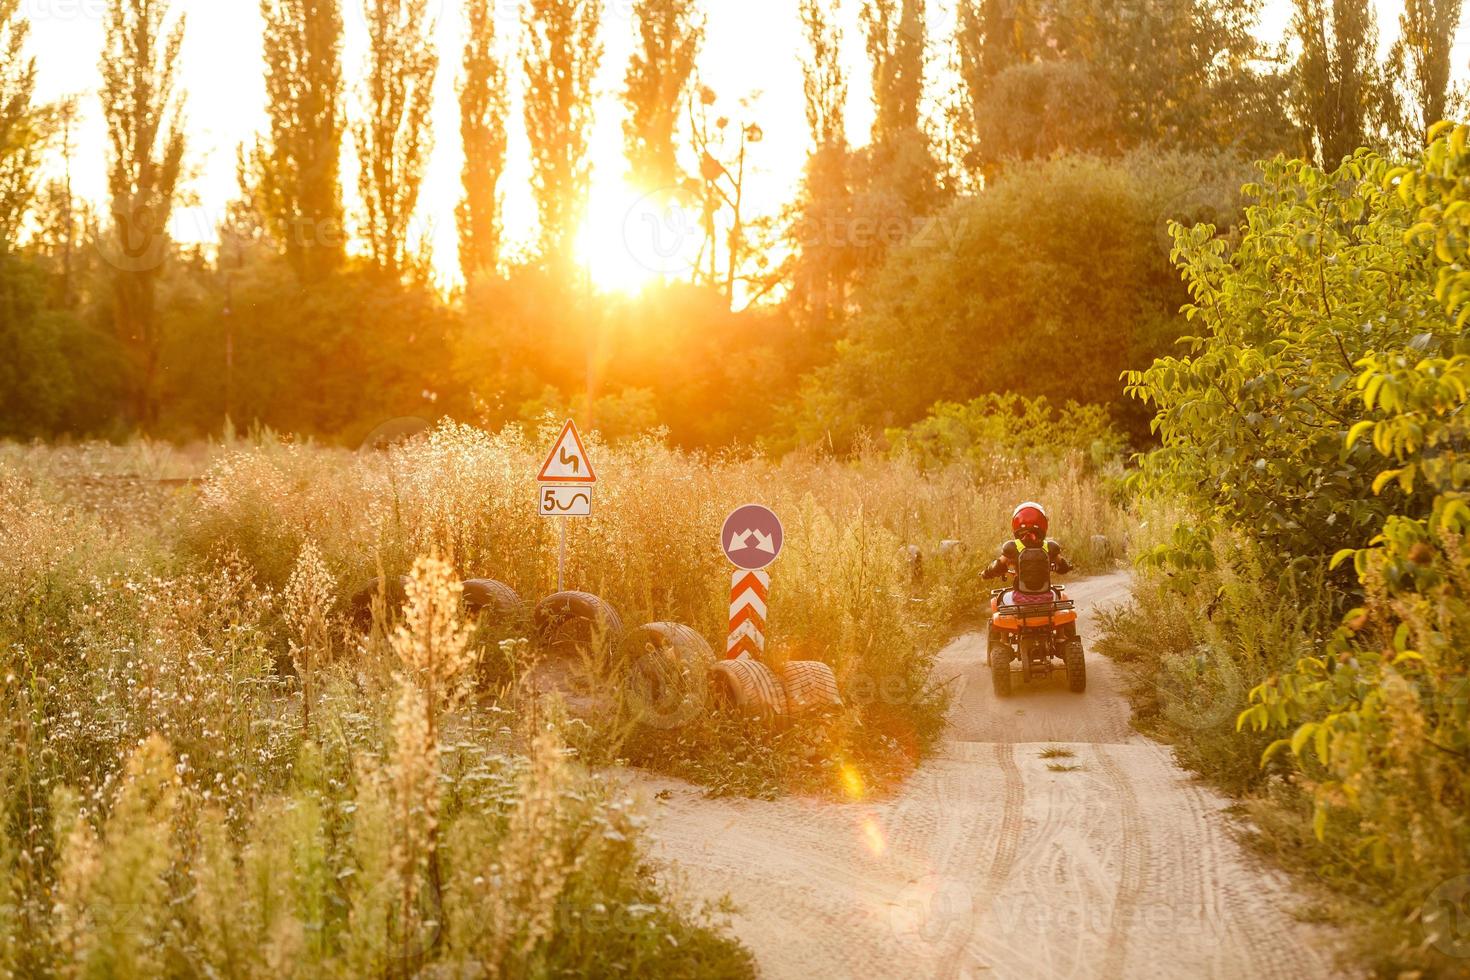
column 1029, row 515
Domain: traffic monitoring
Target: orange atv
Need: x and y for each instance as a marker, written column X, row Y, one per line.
column 1040, row 631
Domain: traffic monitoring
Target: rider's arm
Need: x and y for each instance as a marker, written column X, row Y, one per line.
column 1059, row 561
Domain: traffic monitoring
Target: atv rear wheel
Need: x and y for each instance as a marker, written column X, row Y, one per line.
column 1076, row 662
column 1000, row 668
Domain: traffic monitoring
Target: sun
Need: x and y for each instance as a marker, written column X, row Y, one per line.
column 631, row 239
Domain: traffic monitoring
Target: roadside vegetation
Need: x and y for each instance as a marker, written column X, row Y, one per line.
column 213, row 768
column 1300, row 630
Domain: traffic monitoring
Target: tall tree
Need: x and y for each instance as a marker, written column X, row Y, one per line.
column 896, row 38
column 395, row 137
column 821, row 262
column 824, row 77
column 142, row 105
column 1336, row 86
column 991, row 36
column 563, row 52
column 1420, row 63
column 670, row 33
column 899, row 182
column 298, row 170
column 483, row 107
column 20, row 124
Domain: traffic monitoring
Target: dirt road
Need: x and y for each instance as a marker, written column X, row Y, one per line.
column 990, row 863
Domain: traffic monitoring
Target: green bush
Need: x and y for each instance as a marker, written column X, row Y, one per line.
column 1319, row 417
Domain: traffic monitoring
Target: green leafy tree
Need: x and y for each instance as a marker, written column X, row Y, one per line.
column 483, row 108
column 395, row 136
column 296, row 170
column 1050, row 283
column 142, row 105
column 1254, row 418
column 1318, row 421
column 562, row 55
column 670, row 33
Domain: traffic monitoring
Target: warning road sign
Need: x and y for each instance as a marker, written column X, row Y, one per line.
column 568, row 462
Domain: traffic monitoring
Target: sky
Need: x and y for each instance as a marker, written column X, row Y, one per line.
column 751, row 52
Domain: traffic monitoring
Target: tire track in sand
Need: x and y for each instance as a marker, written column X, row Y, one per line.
column 1133, row 863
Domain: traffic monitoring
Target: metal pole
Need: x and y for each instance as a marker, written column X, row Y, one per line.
column 561, row 558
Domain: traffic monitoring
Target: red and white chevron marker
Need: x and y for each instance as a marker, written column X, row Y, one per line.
column 751, row 539
column 748, row 594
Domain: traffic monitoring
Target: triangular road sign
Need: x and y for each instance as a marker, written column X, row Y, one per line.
column 568, row 462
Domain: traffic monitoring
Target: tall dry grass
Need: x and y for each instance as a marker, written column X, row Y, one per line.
column 209, row 772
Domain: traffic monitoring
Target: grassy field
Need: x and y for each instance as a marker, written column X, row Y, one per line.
column 213, row 770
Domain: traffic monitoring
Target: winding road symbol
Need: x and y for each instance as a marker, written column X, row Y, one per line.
column 567, row 462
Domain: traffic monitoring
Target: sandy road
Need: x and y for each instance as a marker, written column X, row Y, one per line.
column 991, row 864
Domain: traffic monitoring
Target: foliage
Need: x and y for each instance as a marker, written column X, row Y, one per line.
column 142, row 103
column 394, row 135
column 1320, row 418
column 1419, row 66
column 1337, row 90
column 21, row 129
column 560, row 60
column 295, row 173
column 484, row 107
column 1008, row 434
column 1004, row 300
column 670, row 34
column 1253, row 421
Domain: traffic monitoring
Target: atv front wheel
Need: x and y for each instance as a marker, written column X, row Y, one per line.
column 1076, row 663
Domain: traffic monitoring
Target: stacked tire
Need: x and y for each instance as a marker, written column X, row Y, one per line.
column 746, row 686
column 669, row 668
column 577, row 623
column 811, row 687
column 385, row 595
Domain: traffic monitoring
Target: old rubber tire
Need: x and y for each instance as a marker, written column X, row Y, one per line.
column 1076, row 662
column 492, row 602
column 668, row 673
column 748, row 687
column 810, row 686
column 998, row 655
column 572, row 622
column 360, row 605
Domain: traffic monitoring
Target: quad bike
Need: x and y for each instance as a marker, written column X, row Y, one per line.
column 1041, row 632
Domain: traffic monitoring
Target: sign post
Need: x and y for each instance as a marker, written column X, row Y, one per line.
column 751, row 539
column 564, row 488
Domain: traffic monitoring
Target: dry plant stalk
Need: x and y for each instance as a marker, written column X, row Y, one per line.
column 432, row 643
column 308, row 600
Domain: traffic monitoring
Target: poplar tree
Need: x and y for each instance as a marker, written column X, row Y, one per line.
column 670, row 33
column 142, row 106
column 395, row 137
column 563, row 52
column 822, row 262
column 1336, row 83
column 297, row 168
column 483, row 108
column 21, row 133
column 1420, row 64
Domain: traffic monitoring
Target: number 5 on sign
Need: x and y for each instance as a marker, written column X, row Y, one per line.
column 557, row 501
